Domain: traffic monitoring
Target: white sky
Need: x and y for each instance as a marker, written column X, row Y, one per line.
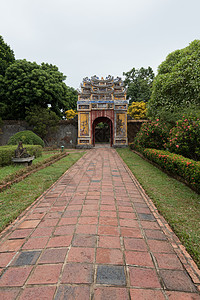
column 88, row 37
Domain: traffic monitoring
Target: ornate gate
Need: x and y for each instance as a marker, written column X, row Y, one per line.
column 102, row 100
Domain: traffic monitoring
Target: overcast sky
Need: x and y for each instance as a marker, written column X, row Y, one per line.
column 88, row 37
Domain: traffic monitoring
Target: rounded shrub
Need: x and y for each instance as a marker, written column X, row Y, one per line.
column 184, row 138
column 26, row 137
column 152, row 134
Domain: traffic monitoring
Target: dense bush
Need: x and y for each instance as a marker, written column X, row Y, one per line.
column 137, row 110
column 184, row 138
column 186, row 168
column 152, row 134
column 7, row 152
column 26, row 137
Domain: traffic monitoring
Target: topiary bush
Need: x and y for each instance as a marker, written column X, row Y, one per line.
column 184, row 138
column 26, row 137
column 7, row 152
column 152, row 134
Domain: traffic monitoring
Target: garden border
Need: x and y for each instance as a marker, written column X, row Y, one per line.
column 180, row 250
column 33, row 170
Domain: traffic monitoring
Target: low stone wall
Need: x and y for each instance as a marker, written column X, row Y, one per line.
column 133, row 127
column 66, row 134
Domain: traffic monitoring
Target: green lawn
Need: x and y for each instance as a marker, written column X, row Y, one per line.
column 8, row 170
column 17, row 198
column 179, row 205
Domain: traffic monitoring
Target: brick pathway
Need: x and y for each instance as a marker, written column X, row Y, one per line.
column 95, row 235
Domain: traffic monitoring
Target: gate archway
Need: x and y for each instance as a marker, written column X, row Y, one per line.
column 102, row 100
column 107, row 133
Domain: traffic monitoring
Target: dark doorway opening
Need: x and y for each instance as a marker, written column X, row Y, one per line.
column 102, row 131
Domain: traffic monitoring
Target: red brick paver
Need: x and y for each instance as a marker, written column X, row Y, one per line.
column 93, row 235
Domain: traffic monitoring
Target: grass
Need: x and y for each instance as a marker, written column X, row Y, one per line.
column 21, row 195
column 8, row 170
column 179, row 205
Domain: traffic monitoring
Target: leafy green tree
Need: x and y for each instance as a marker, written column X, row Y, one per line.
column 177, row 85
column 6, row 56
column 43, row 120
column 27, row 84
column 139, row 83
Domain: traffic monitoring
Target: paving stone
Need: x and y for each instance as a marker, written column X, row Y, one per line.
column 160, row 246
column 26, row 258
column 141, row 294
column 21, row 233
column 45, row 274
column 135, row 244
column 143, row 278
column 139, row 259
column 86, row 229
column 109, row 256
column 108, row 230
column 35, row 243
column 109, row 242
column 79, row 254
column 168, row 261
column 177, row 280
column 11, row 245
column 74, row 273
column 38, row 292
column 182, row 296
column 146, row 217
column 111, row 275
column 73, row 292
column 52, row 256
column 5, row 258
column 9, row 294
column 155, row 235
column 59, row 241
column 84, row 240
column 29, row 224
column 108, row 293
column 15, row 276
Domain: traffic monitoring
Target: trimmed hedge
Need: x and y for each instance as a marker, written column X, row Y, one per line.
column 26, row 137
column 187, row 169
column 7, row 152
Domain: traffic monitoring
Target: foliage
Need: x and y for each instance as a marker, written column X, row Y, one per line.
column 43, row 120
column 6, row 56
column 171, row 118
column 177, row 83
column 27, row 84
column 186, row 168
column 70, row 114
column 139, row 83
column 26, row 137
column 7, row 152
column 184, row 138
column 137, row 110
column 152, row 134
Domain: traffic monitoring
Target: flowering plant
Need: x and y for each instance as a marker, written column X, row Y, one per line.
column 152, row 134
column 184, row 138
column 186, row 168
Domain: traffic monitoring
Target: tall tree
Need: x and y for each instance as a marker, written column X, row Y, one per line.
column 139, row 83
column 27, row 84
column 6, row 56
column 177, row 85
